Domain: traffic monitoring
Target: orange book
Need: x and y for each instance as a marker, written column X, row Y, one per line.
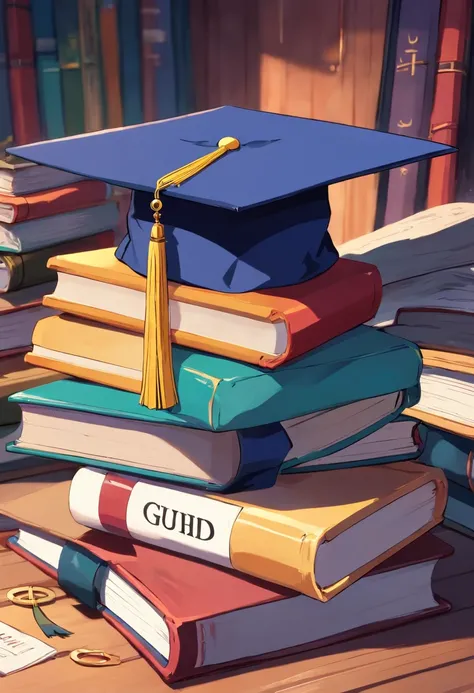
column 266, row 328
column 111, row 63
column 46, row 203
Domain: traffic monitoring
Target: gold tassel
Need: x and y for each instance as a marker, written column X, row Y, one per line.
column 158, row 389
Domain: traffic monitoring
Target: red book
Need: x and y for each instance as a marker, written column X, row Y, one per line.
column 21, row 68
column 111, row 63
column 16, row 208
column 188, row 618
column 454, row 26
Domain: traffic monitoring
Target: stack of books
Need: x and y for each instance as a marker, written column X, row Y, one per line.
column 428, row 298
column 42, row 212
column 274, row 508
column 206, row 548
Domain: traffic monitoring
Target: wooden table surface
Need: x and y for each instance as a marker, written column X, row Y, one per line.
column 432, row 656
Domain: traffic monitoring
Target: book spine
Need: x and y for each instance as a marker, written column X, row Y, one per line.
column 6, row 125
column 451, row 453
column 30, row 269
column 454, row 24
column 130, row 62
column 47, row 68
column 111, row 62
column 150, row 57
column 165, row 74
column 412, row 96
column 22, row 73
column 67, row 28
column 91, row 65
column 181, row 42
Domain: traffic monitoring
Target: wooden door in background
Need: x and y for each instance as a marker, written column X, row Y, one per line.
column 310, row 58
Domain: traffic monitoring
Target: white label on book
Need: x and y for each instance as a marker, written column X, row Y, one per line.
column 188, row 523
column 19, row 651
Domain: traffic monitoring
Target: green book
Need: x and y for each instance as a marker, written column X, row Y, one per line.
column 67, row 31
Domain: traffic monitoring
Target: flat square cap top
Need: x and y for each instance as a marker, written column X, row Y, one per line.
column 279, row 155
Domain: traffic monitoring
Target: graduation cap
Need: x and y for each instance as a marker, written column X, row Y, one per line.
column 239, row 196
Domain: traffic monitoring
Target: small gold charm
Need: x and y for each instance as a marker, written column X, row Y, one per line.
column 94, row 658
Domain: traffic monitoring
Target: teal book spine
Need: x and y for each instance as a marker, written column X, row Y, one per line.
column 130, row 61
column 166, row 72
column 47, row 69
column 220, row 394
column 451, row 453
column 181, row 43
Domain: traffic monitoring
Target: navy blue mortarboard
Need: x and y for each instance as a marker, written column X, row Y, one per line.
column 256, row 218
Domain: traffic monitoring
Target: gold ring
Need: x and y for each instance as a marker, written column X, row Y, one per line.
column 31, row 596
column 98, row 658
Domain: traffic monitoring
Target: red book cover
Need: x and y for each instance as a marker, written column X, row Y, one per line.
column 150, row 58
column 453, row 36
column 193, row 598
column 50, row 202
column 20, row 57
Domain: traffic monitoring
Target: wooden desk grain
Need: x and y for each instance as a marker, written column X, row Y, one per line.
column 434, row 656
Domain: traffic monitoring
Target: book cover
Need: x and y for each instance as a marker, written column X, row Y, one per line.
column 30, row 269
column 22, row 73
column 300, row 314
column 221, row 394
column 109, row 40
column 6, row 125
column 192, row 607
column 412, row 96
column 453, row 35
column 150, row 43
column 67, row 29
column 47, row 69
column 89, row 39
column 130, row 61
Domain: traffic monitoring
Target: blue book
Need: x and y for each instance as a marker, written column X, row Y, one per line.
column 47, row 69
column 130, row 61
column 246, row 405
column 166, row 73
column 449, row 452
column 6, row 125
column 459, row 513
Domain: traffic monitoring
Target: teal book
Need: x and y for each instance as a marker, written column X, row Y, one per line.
column 47, row 69
column 219, row 394
column 166, row 72
column 181, row 43
column 130, row 61
column 449, row 452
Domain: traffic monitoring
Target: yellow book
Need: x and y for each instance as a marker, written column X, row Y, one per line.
column 316, row 533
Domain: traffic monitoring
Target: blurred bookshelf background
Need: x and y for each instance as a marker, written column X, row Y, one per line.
column 73, row 66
